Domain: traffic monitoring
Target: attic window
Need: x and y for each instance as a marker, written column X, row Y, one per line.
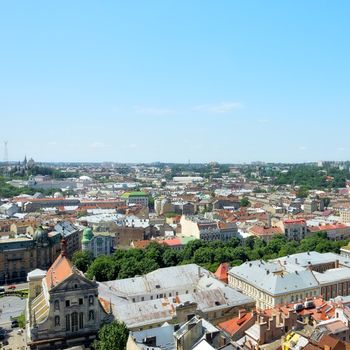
column 157, row 286
column 217, row 303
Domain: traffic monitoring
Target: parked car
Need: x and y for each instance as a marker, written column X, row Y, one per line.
column 2, row 290
column 12, row 287
column 14, row 324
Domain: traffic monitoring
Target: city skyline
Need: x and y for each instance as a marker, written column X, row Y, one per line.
column 171, row 81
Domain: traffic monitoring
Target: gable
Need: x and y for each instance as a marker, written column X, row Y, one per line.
column 75, row 282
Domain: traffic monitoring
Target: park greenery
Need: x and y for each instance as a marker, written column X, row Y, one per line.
column 131, row 262
column 112, row 336
column 9, row 191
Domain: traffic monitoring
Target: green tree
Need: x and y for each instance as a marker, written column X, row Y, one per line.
column 302, row 192
column 112, row 336
column 102, row 268
column 82, row 260
column 244, row 202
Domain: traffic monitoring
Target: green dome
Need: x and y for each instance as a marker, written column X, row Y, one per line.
column 40, row 236
column 87, row 235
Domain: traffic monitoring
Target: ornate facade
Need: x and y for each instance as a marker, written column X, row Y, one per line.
column 63, row 307
column 18, row 256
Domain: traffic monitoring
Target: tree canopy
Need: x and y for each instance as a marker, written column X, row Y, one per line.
column 112, row 336
column 128, row 263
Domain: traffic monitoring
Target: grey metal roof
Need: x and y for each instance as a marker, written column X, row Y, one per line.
column 272, row 278
column 164, row 337
column 201, row 287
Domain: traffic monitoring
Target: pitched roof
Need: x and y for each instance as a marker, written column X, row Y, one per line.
column 221, row 272
column 235, row 324
column 60, row 270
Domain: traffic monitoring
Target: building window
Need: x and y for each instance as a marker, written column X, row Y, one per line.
column 74, row 322
column 91, row 315
column 91, row 300
column 81, row 320
column 67, row 322
column 57, row 305
column 81, row 301
column 67, row 303
column 57, row 321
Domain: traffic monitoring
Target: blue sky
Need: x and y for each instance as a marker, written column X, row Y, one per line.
column 155, row 80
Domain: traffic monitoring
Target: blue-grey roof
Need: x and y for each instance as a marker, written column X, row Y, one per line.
column 164, row 337
column 273, row 278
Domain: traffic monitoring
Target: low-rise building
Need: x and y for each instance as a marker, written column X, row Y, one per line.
column 172, row 295
column 137, row 197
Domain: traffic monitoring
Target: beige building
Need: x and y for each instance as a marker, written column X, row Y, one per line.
column 63, row 308
column 20, row 255
column 292, row 278
column 344, row 216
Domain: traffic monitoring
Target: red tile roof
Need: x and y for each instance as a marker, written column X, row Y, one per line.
column 222, row 272
column 60, row 270
column 265, row 231
column 235, row 324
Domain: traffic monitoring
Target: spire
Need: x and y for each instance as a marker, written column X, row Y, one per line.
column 63, row 247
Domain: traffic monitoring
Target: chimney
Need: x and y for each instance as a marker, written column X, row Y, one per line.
column 199, row 272
column 296, row 260
column 336, row 263
column 241, row 313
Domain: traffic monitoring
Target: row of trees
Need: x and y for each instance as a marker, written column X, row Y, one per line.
column 131, row 262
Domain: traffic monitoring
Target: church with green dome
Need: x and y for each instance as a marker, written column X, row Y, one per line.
column 97, row 244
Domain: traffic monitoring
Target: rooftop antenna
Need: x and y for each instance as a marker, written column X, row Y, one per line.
column 6, row 153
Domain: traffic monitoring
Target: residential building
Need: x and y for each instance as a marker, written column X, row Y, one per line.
column 292, row 278
column 174, row 295
column 137, row 197
column 71, row 234
column 20, row 255
column 97, row 244
column 294, row 229
column 208, row 230
column 197, row 333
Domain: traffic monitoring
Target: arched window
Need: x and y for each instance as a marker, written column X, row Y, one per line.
column 91, row 300
column 81, row 320
column 68, row 322
column 91, row 315
column 57, row 321
column 57, row 305
column 74, row 322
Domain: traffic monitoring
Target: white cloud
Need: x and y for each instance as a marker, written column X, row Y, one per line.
column 263, row 121
column 302, row 148
column 220, row 108
column 341, row 149
column 154, row 110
